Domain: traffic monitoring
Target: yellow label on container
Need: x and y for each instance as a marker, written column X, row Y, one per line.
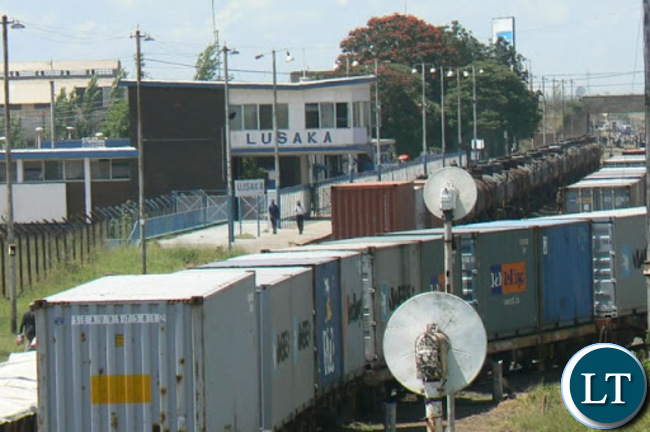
column 120, row 389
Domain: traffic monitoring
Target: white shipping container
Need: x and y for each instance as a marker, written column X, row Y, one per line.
column 173, row 352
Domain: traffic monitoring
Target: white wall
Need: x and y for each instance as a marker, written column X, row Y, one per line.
column 35, row 202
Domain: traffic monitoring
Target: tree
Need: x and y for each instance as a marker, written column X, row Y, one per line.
column 207, row 64
column 116, row 123
column 398, row 43
column 16, row 133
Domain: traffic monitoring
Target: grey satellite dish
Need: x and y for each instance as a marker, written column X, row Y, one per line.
column 461, row 181
column 454, row 318
column 581, row 91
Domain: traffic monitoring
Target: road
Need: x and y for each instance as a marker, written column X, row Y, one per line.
column 246, row 236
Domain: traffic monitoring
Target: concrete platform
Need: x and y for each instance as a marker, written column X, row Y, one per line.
column 247, row 238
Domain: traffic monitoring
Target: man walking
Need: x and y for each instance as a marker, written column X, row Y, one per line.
column 300, row 216
column 274, row 215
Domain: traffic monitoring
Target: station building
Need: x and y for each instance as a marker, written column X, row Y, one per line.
column 324, row 129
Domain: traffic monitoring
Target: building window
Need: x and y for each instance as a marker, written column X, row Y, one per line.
column 236, row 117
column 250, row 117
column 342, row 115
column 53, row 170
column 32, row 171
column 326, row 115
column 100, row 169
column 283, row 116
column 3, row 172
column 266, row 117
column 74, row 170
column 120, row 169
column 311, row 116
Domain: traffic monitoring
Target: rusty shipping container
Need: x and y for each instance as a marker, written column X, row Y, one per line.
column 367, row 209
column 173, row 352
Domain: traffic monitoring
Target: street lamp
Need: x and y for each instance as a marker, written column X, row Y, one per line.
column 69, row 129
column 474, row 134
column 10, row 199
column 276, row 150
column 231, row 232
column 424, row 113
column 141, row 214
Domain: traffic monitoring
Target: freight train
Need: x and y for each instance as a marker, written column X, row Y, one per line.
column 274, row 340
column 508, row 188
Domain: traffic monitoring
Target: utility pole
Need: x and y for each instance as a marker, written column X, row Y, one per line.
column 646, row 56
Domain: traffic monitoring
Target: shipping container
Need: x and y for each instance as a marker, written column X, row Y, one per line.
column 286, row 329
column 618, row 251
column 336, row 285
column 564, row 268
column 391, row 274
column 499, row 277
column 172, row 352
column 366, row 209
column 625, row 161
column 604, row 194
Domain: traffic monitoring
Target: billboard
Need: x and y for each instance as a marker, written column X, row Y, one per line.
column 504, row 28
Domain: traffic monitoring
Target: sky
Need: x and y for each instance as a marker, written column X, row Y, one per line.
column 592, row 46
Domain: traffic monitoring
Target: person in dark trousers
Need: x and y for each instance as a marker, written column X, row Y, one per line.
column 300, row 216
column 274, row 215
column 27, row 328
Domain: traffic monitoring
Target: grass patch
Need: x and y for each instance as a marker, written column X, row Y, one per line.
column 245, row 236
column 122, row 260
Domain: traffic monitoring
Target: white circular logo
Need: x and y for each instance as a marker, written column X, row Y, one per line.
column 604, row 386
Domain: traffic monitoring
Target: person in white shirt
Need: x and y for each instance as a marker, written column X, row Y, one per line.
column 300, row 216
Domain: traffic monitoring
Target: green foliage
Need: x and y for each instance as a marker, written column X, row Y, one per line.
column 16, row 133
column 250, row 170
column 116, row 122
column 207, row 63
column 397, row 44
column 123, row 260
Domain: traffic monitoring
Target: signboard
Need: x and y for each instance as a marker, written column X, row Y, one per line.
column 504, row 28
column 478, row 144
column 249, row 188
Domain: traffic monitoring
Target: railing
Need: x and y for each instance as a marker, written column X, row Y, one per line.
column 187, row 210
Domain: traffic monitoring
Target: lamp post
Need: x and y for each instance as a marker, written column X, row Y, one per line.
column 69, row 129
column 377, row 123
column 276, row 150
column 474, row 125
column 231, row 232
column 424, row 114
column 141, row 212
column 10, row 198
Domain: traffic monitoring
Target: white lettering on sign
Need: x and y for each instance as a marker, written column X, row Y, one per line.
column 249, row 188
column 118, row 319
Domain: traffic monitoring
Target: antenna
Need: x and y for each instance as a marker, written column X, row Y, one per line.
column 435, row 345
column 450, row 194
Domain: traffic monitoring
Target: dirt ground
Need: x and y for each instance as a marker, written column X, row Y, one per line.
column 475, row 410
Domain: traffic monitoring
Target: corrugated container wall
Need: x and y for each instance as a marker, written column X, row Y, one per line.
column 175, row 352
column 337, row 354
column 366, row 209
column 286, row 337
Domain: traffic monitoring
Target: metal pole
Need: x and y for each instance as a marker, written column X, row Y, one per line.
column 424, row 121
column 10, row 199
column 52, row 127
column 442, row 114
column 543, row 113
column 143, row 236
column 460, row 137
column 231, row 234
column 474, row 111
column 433, row 409
column 646, row 52
column 377, row 121
column 448, row 240
column 276, row 152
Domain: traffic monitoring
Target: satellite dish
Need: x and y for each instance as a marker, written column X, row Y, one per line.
column 581, row 91
column 457, row 320
column 461, row 181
